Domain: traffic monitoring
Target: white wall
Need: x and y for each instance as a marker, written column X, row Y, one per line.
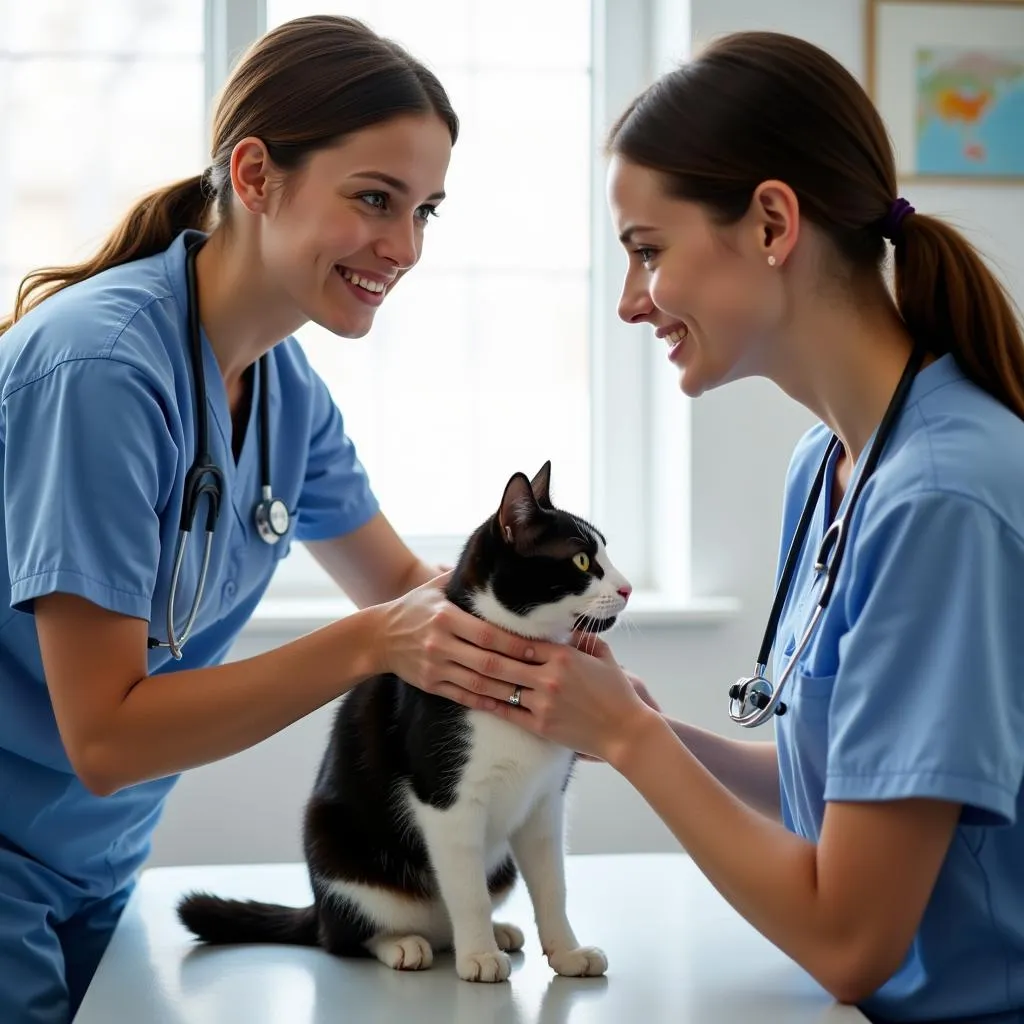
column 248, row 808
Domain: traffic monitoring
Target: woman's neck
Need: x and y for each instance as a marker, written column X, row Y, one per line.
column 843, row 362
column 243, row 314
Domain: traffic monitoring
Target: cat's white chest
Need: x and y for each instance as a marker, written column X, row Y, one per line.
column 509, row 770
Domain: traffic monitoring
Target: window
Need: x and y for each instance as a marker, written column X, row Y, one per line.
column 479, row 363
column 503, row 341
column 100, row 100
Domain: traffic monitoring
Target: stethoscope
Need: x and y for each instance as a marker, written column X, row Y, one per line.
column 206, row 479
column 753, row 700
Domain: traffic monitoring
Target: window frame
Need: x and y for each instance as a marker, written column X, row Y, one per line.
column 640, row 465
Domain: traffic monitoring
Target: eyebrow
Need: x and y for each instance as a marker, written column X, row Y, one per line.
column 396, row 183
column 627, row 236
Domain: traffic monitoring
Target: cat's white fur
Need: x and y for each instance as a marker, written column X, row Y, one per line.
column 509, row 799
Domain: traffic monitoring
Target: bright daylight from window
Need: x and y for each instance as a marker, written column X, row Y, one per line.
column 100, row 100
column 478, row 363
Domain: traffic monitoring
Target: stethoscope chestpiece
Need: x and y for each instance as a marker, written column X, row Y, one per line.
column 751, row 700
column 272, row 518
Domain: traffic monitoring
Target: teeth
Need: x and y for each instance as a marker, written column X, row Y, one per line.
column 676, row 336
column 362, row 282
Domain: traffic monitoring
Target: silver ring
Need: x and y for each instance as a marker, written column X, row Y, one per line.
column 516, row 694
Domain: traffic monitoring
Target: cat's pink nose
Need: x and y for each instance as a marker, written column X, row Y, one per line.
column 625, row 591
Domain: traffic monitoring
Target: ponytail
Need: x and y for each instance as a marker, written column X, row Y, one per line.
column 150, row 227
column 949, row 298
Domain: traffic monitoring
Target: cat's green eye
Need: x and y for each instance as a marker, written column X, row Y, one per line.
column 581, row 561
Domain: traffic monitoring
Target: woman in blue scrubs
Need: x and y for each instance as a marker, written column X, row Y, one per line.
column 879, row 839
column 330, row 149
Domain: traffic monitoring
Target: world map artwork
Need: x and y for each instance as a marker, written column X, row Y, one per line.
column 970, row 112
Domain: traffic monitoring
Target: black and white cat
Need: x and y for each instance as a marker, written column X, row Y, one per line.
column 423, row 810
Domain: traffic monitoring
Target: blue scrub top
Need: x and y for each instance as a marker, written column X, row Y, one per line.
column 96, row 435
column 913, row 685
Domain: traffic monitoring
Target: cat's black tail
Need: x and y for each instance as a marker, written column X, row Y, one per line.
column 222, row 922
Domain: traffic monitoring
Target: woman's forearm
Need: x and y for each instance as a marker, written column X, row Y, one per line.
column 749, row 768
column 767, row 873
column 169, row 723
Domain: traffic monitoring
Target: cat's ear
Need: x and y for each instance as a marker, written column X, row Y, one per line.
column 541, row 485
column 519, row 513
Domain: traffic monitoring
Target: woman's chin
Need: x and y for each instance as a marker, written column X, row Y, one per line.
column 691, row 381
column 699, row 375
column 689, row 388
column 342, row 324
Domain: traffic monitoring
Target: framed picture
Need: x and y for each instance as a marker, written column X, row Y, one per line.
column 948, row 78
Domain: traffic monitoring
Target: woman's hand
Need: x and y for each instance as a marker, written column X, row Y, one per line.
column 641, row 689
column 431, row 643
column 642, row 692
column 581, row 699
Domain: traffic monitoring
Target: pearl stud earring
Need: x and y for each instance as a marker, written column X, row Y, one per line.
column 771, row 261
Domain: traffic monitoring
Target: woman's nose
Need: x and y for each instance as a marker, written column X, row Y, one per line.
column 635, row 306
column 399, row 245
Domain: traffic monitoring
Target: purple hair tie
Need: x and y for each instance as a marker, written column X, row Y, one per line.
column 894, row 218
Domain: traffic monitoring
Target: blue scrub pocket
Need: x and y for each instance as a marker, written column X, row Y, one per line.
column 811, row 687
column 809, row 697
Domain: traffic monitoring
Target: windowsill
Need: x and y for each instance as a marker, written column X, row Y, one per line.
column 646, row 609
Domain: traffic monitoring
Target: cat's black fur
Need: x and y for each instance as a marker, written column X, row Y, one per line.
column 387, row 733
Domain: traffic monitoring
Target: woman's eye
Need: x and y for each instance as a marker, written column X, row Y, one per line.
column 426, row 211
column 646, row 255
column 581, row 561
column 378, row 200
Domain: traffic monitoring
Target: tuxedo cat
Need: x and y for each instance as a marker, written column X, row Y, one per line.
column 423, row 811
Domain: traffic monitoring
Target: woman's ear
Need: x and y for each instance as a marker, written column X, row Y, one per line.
column 250, row 174
column 776, row 214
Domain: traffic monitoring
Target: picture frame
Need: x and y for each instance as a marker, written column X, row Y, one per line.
column 947, row 77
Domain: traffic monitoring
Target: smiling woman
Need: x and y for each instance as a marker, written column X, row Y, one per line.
column 341, row 227
column 330, row 148
column 755, row 190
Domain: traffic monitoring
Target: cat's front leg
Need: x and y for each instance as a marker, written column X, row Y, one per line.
column 455, row 841
column 539, row 851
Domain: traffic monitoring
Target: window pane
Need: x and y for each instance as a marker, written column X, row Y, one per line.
column 532, row 34
column 478, row 364
column 99, row 102
column 102, row 27
column 518, row 185
column 438, row 33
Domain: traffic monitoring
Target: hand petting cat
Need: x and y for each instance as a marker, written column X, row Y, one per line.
column 428, row 641
column 580, row 698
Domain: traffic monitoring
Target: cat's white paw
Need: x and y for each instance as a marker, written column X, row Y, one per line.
column 403, row 953
column 508, row 937
column 583, row 962
column 488, row 967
